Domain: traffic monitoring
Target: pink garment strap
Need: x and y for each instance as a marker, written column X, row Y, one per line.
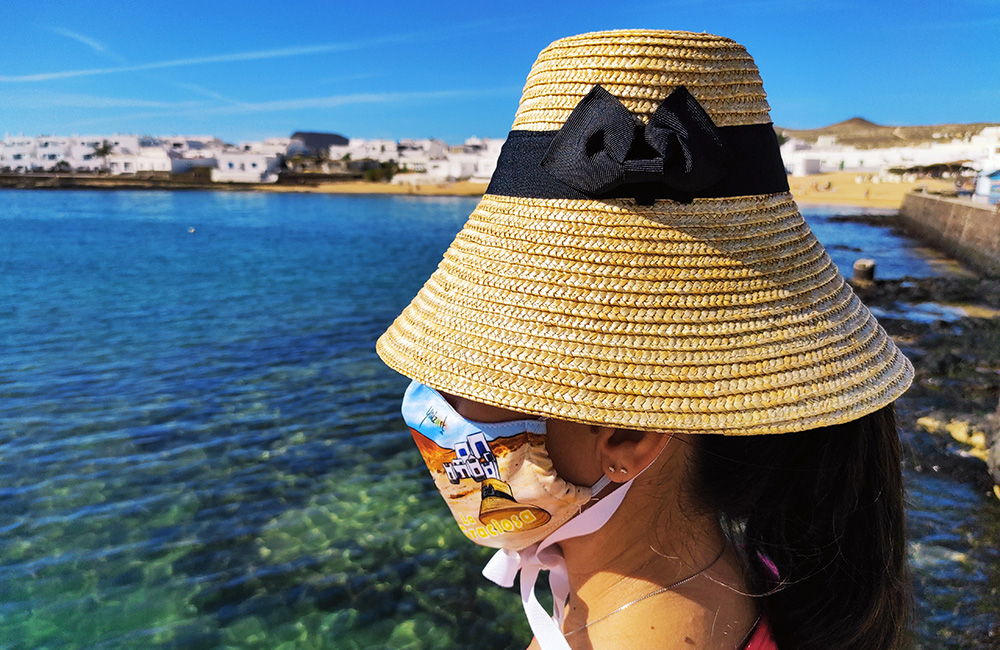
column 762, row 638
column 546, row 555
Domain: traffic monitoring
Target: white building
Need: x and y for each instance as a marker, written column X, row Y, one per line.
column 360, row 149
column 988, row 187
column 59, row 153
column 268, row 147
column 802, row 158
column 124, row 143
column 153, row 159
column 144, row 160
column 184, row 144
column 52, row 151
column 235, row 166
column 475, row 160
column 488, row 153
column 82, row 154
column 18, row 154
column 121, row 163
column 414, row 155
column 456, row 166
column 989, row 138
column 826, row 155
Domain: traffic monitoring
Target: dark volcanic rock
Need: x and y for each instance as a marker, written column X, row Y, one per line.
column 956, row 362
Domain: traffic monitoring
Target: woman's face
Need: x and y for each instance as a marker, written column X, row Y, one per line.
column 571, row 446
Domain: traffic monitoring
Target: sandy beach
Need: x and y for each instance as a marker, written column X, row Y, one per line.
column 843, row 188
column 837, row 188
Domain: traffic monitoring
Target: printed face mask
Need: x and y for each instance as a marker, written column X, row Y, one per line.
column 496, row 478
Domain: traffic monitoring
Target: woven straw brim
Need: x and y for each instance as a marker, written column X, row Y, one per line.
column 719, row 316
column 716, row 316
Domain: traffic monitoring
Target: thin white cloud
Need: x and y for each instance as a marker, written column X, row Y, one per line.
column 103, row 50
column 92, row 43
column 292, row 105
column 205, row 92
column 156, row 109
column 334, row 101
column 347, row 77
column 97, row 46
column 254, row 55
column 68, row 100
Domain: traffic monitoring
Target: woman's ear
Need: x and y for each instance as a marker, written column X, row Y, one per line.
column 624, row 452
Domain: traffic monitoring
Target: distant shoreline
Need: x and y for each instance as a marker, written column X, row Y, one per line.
column 838, row 188
column 455, row 188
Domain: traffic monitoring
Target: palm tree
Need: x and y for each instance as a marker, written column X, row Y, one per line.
column 104, row 150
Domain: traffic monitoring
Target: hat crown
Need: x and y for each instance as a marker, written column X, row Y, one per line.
column 710, row 310
column 640, row 68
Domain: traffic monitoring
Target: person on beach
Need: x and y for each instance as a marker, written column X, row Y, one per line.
column 637, row 369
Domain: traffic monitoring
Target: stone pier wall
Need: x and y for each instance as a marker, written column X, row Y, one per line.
column 968, row 231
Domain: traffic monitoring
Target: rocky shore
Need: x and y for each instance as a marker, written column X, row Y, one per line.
column 950, row 329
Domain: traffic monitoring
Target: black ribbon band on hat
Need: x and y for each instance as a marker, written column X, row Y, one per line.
column 603, row 151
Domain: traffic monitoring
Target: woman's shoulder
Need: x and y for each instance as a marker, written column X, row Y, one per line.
column 707, row 618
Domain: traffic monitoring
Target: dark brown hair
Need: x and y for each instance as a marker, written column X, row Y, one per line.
column 825, row 507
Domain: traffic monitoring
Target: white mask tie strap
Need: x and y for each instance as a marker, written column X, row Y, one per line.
column 545, row 555
column 600, row 485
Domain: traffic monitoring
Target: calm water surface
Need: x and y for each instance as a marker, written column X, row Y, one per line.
column 200, row 449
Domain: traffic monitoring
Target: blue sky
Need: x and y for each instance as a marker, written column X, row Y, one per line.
column 254, row 69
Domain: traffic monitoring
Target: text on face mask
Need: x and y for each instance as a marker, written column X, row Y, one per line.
column 474, row 530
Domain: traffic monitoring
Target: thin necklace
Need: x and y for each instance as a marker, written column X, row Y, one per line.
column 651, row 594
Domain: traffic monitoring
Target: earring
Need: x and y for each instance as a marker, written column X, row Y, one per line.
column 611, row 469
column 623, row 470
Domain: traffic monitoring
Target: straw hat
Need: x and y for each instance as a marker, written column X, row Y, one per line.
column 638, row 261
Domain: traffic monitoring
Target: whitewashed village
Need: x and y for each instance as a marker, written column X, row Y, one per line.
column 973, row 161
column 320, row 155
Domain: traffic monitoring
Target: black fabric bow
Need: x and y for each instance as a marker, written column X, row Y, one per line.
column 603, row 146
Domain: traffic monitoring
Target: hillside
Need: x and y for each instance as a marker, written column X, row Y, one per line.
column 863, row 134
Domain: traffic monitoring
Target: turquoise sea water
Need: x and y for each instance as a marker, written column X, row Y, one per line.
column 200, row 449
